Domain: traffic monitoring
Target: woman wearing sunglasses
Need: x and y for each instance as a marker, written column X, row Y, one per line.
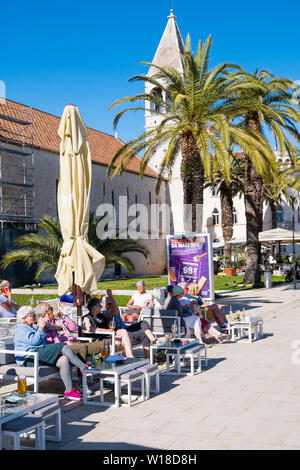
column 8, row 307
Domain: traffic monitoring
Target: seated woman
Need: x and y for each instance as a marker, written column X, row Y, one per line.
column 138, row 301
column 202, row 327
column 31, row 337
column 57, row 331
column 139, row 332
column 8, row 307
column 217, row 310
column 95, row 322
column 189, row 317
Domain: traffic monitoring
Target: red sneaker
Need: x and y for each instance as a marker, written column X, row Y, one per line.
column 73, row 395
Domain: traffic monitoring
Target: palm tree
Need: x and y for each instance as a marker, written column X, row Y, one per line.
column 227, row 191
column 193, row 120
column 44, row 249
column 263, row 103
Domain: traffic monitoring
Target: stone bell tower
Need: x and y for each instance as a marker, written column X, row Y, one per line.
column 168, row 54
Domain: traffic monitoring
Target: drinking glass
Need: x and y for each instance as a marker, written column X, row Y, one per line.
column 174, row 328
column 112, row 324
column 21, row 384
column 106, row 349
column 238, row 315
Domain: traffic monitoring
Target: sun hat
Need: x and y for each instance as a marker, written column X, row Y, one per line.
column 178, row 290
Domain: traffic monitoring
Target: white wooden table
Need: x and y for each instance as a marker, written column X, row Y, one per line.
column 35, row 401
column 111, row 370
column 249, row 325
column 175, row 349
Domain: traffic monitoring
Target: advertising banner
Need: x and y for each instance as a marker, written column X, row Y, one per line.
column 190, row 260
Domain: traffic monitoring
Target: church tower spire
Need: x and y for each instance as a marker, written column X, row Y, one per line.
column 168, row 54
column 171, row 47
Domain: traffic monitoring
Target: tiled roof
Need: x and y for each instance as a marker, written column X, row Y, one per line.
column 45, row 126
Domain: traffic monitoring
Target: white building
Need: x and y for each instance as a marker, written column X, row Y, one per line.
column 29, row 173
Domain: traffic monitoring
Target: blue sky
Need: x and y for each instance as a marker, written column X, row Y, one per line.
column 57, row 53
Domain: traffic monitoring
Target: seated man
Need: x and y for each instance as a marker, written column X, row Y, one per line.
column 174, row 301
column 138, row 301
column 138, row 333
column 168, row 294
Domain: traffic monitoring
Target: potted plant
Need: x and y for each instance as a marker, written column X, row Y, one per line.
column 228, row 266
column 238, row 268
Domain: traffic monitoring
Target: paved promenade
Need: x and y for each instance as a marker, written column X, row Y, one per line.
column 247, row 398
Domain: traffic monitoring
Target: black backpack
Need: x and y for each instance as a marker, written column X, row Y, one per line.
column 160, row 356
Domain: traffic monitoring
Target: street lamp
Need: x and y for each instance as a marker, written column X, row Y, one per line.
column 293, row 193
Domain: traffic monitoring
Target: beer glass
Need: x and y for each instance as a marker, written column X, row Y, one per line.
column 22, row 389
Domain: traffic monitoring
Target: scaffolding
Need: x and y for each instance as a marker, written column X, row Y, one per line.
column 17, row 194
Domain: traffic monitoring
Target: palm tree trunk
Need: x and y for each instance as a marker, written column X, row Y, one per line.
column 192, row 175
column 226, row 216
column 253, row 210
column 273, row 207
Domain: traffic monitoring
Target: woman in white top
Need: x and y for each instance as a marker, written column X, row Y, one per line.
column 8, row 307
column 138, row 301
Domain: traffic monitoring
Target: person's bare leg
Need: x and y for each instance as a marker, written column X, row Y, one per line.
column 150, row 335
column 147, row 352
column 218, row 314
column 123, row 334
column 197, row 332
column 214, row 333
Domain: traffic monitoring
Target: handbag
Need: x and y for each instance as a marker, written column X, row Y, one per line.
column 70, row 325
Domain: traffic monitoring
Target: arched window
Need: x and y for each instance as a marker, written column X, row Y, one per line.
column 216, row 217
column 235, row 216
column 213, row 191
column 155, row 107
column 279, row 214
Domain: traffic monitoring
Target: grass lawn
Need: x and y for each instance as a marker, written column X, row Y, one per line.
column 24, row 299
column 237, row 282
column 221, row 283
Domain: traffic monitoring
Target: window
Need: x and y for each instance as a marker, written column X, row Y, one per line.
column 216, row 217
column 235, row 217
column 155, row 106
column 103, row 188
column 279, row 214
column 149, row 198
column 213, row 191
column 299, row 215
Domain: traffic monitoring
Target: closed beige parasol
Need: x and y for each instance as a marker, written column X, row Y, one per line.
column 79, row 262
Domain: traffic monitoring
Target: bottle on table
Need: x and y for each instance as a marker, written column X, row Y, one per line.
column 93, row 361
